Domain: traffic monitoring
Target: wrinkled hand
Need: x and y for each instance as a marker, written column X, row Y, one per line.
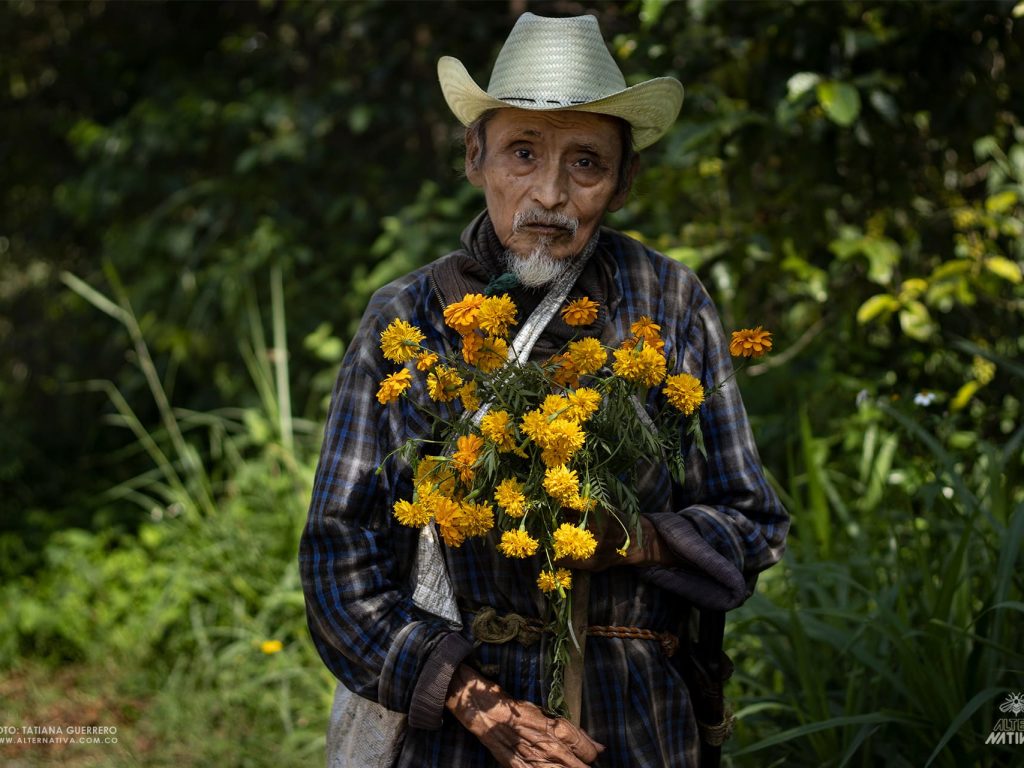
column 610, row 539
column 517, row 733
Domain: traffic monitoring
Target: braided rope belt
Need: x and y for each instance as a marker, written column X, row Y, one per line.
column 489, row 627
column 716, row 735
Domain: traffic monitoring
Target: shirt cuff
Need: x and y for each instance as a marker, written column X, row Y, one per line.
column 427, row 706
column 704, row 577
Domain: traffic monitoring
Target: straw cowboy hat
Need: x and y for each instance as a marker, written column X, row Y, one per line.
column 562, row 64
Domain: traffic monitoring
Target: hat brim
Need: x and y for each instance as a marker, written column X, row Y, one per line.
column 649, row 107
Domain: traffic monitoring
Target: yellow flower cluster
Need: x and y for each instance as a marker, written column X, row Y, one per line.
column 573, row 542
column 444, row 384
column 549, row 581
column 497, row 427
column 510, row 497
column 558, row 438
column 458, row 520
column 563, row 485
column 467, row 451
column 517, row 544
column 394, row 385
column 582, row 357
column 467, row 392
column 750, row 342
column 684, row 392
column 640, row 364
column 483, row 324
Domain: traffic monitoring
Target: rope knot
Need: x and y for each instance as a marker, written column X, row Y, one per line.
column 489, row 627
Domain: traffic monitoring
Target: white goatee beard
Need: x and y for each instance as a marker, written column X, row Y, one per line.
column 538, row 268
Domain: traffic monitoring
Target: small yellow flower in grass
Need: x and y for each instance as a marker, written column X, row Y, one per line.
column 271, row 646
column 640, row 365
column 467, row 452
column 497, row 427
column 496, row 315
column 549, row 581
column 580, row 312
column 394, row 385
column 750, row 342
column 426, row 360
column 583, row 403
column 562, row 483
column 451, row 520
column 470, row 401
column 413, row 515
column 400, row 342
column 477, row 519
column 462, row 315
column 570, row 541
column 493, row 354
column 621, row 551
column 509, row 496
column 684, row 392
column 517, row 544
column 443, row 384
column 587, row 355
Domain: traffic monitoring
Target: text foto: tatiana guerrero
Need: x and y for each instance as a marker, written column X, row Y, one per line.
column 59, row 730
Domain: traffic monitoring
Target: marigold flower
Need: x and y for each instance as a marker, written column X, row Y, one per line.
column 750, row 342
column 426, row 360
column 549, row 581
column 640, row 365
column 394, row 385
column 451, row 520
column 400, row 341
column 467, row 452
column 472, row 343
column 496, row 426
column 413, row 515
column 435, row 472
column 561, row 483
column 583, row 403
column 560, row 442
column 470, row 401
column 493, row 354
column 477, row 519
column 534, row 425
column 587, row 355
column 443, row 384
column 573, row 542
column 271, row 646
column 684, row 392
column 517, row 544
column 645, row 328
column 580, row 312
column 509, row 496
column 462, row 315
column 566, row 373
column 553, row 405
column 496, row 315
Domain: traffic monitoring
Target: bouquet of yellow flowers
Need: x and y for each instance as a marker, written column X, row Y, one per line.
column 542, row 451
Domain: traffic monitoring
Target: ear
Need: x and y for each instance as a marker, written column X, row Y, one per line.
column 473, row 173
column 620, row 197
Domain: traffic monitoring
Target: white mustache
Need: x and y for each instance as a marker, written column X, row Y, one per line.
column 545, row 219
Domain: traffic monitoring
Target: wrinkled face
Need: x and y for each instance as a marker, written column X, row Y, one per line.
column 548, row 178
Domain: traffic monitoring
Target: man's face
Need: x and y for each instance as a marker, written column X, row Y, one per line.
column 543, row 170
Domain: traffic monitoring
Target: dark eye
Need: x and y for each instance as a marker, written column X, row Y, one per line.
column 522, row 153
column 585, row 162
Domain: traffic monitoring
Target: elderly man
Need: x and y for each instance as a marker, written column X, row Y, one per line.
column 552, row 143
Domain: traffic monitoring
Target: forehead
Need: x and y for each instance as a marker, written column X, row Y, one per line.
column 555, row 127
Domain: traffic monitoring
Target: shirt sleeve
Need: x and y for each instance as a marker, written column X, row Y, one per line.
column 355, row 559
column 726, row 524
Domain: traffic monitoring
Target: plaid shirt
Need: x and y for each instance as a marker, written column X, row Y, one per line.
column 726, row 525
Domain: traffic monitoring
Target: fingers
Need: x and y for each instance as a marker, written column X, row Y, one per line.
column 578, row 741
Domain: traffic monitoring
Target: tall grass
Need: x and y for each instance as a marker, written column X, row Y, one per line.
column 177, row 614
column 891, row 632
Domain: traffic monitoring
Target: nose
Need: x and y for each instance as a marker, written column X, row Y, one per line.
column 550, row 185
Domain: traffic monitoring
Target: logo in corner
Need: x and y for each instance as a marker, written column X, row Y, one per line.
column 1014, row 703
column 1009, row 730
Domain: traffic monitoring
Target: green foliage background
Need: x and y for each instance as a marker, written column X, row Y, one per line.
column 198, row 200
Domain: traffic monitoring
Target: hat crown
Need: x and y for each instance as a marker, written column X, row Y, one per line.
column 549, row 62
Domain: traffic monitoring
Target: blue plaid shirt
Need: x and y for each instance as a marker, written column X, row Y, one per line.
column 726, row 525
